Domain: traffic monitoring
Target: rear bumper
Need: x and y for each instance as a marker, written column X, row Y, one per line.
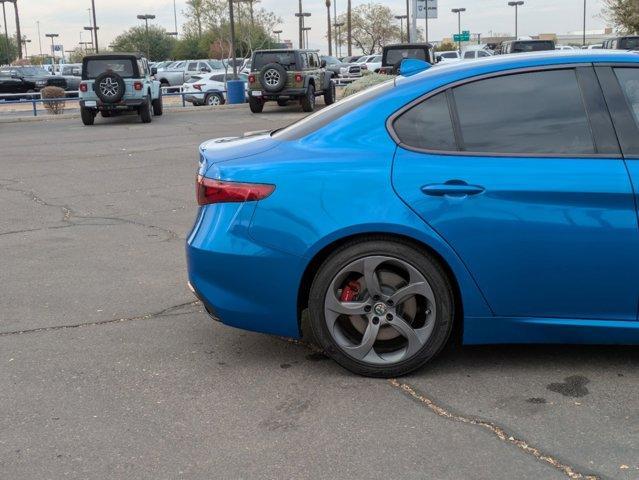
column 125, row 104
column 242, row 283
column 286, row 93
column 195, row 98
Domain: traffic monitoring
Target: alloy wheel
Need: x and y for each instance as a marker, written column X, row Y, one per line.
column 380, row 310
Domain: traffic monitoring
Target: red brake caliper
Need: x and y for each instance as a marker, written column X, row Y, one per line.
column 350, row 291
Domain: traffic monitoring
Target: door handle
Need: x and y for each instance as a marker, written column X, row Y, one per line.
column 452, row 188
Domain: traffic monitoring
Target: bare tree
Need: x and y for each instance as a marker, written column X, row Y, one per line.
column 372, row 27
column 623, row 14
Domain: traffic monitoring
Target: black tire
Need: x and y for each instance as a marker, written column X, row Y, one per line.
column 256, row 104
column 213, row 99
column 87, row 115
column 146, row 111
column 273, row 77
column 427, row 265
column 282, row 102
column 308, row 100
column 158, row 106
column 330, row 93
column 109, row 87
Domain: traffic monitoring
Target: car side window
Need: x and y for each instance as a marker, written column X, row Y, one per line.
column 469, row 55
column 304, row 58
column 483, row 54
column 204, row 67
column 629, row 80
column 427, row 125
column 192, row 67
column 527, row 113
column 311, row 60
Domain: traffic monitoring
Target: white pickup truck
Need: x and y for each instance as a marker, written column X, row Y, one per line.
column 184, row 70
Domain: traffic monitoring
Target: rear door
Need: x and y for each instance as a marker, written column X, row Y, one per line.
column 522, row 175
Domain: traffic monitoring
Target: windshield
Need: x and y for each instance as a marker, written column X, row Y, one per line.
column 629, row 43
column 32, row 71
column 216, row 64
column 121, row 66
column 449, row 54
column 331, row 60
column 394, row 56
column 519, row 47
column 327, row 115
column 286, row 59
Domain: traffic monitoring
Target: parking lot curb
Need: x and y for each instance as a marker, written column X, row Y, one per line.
column 66, row 116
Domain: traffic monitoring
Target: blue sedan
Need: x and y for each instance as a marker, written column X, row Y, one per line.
column 492, row 201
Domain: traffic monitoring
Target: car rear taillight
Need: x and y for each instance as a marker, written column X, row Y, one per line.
column 84, row 87
column 198, row 86
column 298, row 77
column 251, row 78
column 210, row 191
column 137, row 86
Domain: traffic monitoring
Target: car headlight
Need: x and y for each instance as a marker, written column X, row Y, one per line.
column 41, row 83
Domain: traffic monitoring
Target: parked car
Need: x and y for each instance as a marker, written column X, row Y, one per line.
column 478, row 53
column 373, row 63
column 350, row 59
column 524, row 46
column 448, row 56
column 180, row 72
column 72, row 73
column 284, row 75
column 209, row 90
column 484, row 223
column 115, row 83
column 622, row 43
column 29, row 79
column 393, row 55
column 564, row 47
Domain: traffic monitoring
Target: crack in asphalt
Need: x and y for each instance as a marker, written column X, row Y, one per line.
column 169, row 311
column 68, row 215
column 569, row 471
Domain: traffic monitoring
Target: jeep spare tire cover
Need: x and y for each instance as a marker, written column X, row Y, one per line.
column 273, row 77
column 109, row 87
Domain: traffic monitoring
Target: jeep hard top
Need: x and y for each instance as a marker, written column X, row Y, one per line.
column 392, row 55
column 114, row 83
column 283, row 75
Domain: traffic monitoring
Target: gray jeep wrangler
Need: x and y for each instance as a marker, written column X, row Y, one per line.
column 283, row 75
column 114, row 83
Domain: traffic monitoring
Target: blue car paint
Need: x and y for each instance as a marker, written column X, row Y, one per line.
column 247, row 260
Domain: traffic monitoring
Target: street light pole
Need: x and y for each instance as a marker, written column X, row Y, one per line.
column 401, row 26
column 458, row 11
column 584, row 36
column 175, row 18
column 146, row 18
column 301, row 16
column 95, row 28
column 24, row 42
column 52, row 36
column 306, row 29
column 516, row 5
column 328, row 29
column 6, row 32
column 408, row 20
column 338, row 38
column 232, row 21
column 18, row 33
column 349, row 28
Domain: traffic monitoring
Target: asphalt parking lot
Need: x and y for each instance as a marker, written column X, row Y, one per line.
column 110, row 369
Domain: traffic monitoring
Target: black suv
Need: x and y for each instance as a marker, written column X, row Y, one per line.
column 284, row 75
column 28, row 79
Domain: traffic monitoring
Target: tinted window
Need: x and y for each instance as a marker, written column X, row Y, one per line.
column 427, row 125
column 286, row 59
column 394, row 56
column 629, row 43
column 469, row 55
column 192, row 67
column 541, row 112
column 520, row 47
column 218, row 78
column 483, row 54
column 123, row 67
column 449, row 54
column 629, row 79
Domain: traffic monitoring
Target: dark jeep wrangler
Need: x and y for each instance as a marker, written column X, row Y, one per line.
column 284, row 75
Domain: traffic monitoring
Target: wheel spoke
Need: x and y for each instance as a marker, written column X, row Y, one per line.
column 409, row 333
column 368, row 340
column 403, row 294
column 370, row 275
column 345, row 308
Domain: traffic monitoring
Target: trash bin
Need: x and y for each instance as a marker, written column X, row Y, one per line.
column 235, row 91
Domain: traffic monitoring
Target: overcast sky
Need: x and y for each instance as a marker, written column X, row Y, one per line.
column 67, row 17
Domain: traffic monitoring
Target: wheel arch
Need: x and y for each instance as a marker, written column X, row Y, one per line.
column 320, row 256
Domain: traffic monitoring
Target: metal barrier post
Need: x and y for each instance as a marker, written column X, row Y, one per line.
column 183, row 102
column 35, row 109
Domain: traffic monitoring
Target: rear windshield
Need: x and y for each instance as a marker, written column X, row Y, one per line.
column 327, row 115
column 286, row 59
column 394, row 56
column 121, row 66
column 519, row 47
column 629, row 43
